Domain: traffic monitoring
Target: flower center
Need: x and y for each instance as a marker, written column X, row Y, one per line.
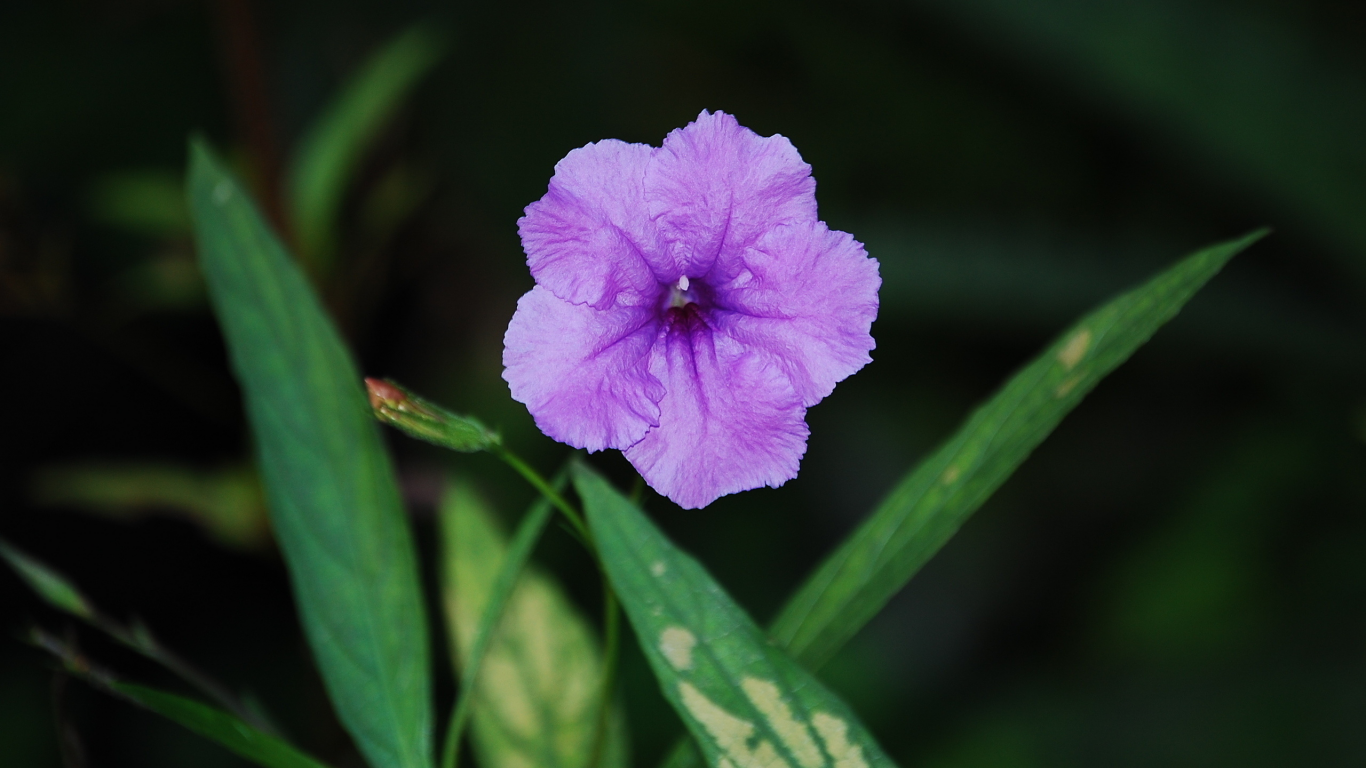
column 682, row 304
column 679, row 294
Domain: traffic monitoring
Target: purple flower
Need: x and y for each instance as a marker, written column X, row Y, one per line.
column 689, row 307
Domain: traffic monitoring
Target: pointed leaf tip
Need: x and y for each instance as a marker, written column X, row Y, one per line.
column 932, row 501
column 51, row 586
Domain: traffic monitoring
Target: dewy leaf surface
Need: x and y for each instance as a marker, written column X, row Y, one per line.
column 219, row 726
column 331, row 490
column 537, row 697
column 932, row 502
column 331, row 151
column 746, row 703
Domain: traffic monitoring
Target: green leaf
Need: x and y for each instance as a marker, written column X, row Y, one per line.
column 146, row 201
column 58, row 591
column 332, row 150
column 538, row 697
column 219, row 726
column 331, row 490
column 932, row 502
column 227, row 501
column 425, row 420
column 746, row 702
column 971, row 274
column 233, row 732
column 49, row 584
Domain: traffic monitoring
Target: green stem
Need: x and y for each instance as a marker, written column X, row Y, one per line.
column 451, row 749
column 141, row 640
column 553, row 496
column 612, row 629
column 611, row 615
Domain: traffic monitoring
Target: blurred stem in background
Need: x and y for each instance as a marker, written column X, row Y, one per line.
column 60, row 593
column 244, row 69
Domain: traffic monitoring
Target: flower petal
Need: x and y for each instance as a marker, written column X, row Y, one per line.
column 729, row 421
column 716, row 186
column 583, row 373
column 584, row 238
column 808, row 296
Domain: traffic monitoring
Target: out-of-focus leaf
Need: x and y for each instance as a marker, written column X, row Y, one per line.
column 217, row 725
column 145, row 201
column 335, row 144
column 426, row 420
column 996, row 740
column 58, row 591
column 392, row 200
column 932, row 502
column 333, row 498
column 746, row 702
column 213, row 723
column 228, row 502
column 537, row 698
column 1235, row 82
column 50, row 585
column 1195, row 589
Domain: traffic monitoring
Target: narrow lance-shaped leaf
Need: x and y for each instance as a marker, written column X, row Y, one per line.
column 332, row 494
column 335, row 144
column 61, row 593
column 537, row 698
column 227, row 501
column 933, row 501
column 210, row 722
column 50, row 585
column 219, row 726
column 745, row 702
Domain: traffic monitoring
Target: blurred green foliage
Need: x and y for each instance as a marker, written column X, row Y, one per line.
column 337, row 142
column 147, row 202
column 236, row 735
column 1174, row 578
column 227, row 502
column 48, row 584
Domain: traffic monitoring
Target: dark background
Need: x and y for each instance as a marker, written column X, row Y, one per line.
column 1175, row 578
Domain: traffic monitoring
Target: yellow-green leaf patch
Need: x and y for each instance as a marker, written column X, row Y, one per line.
column 538, row 695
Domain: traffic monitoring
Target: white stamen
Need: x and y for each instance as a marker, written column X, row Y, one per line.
column 683, row 283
